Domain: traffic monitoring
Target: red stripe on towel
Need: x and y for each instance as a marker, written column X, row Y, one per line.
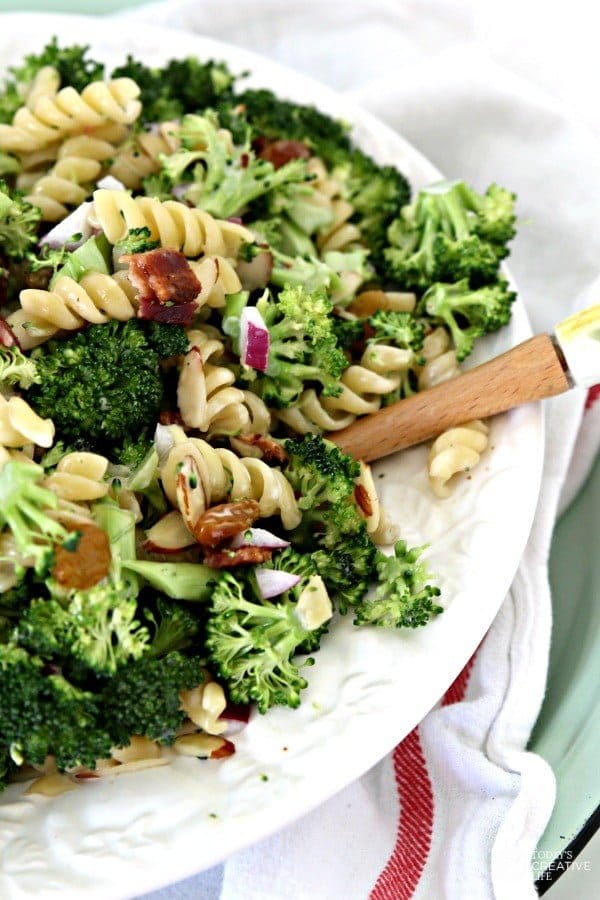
column 404, row 868
column 592, row 396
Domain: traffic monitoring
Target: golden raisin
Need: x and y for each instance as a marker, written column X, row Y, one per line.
column 224, row 521
column 88, row 563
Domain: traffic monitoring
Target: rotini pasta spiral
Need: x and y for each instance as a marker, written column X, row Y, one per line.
column 96, row 298
column 440, row 359
column 456, row 450
column 206, row 396
column 174, row 224
column 140, row 156
column 218, row 278
column 78, row 477
column 224, row 476
column 21, row 426
column 363, row 387
column 69, row 112
column 45, row 84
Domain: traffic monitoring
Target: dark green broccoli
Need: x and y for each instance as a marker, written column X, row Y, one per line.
column 6, row 766
column 221, row 181
column 450, row 232
column 309, row 594
column 348, row 332
column 96, row 628
column 303, row 348
column 16, row 368
column 101, row 385
column 175, row 627
column 16, row 599
column 165, row 339
column 134, row 451
column 252, row 643
column 181, row 86
column 467, row 313
column 19, row 222
column 74, row 68
column 399, row 328
column 333, row 529
column 43, row 714
column 143, row 697
column 138, row 240
column 403, row 598
column 24, row 508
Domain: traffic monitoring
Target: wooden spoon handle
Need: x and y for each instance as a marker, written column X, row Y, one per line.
column 530, row 371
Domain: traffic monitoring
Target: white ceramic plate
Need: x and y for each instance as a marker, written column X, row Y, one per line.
column 368, row 689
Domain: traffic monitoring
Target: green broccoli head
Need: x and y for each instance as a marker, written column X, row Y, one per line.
column 96, row 628
column 72, row 63
column 16, row 368
column 303, row 348
column 143, row 697
column 181, row 86
column 468, row 313
column 19, row 222
column 448, row 233
column 103, row 384
column 43, row 714
column 399, row 328
column 25, row 509
column 320, row 473
column 403, row 597
column 175, row 627
column 309, row 594
column 252, row 643
column 223, row 181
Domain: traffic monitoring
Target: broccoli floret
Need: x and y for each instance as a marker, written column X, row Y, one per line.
column 16, row 368
column 143, row 697
column 251, row 644
column 134, row 451
column 302, row 349
column 309, row 594
column 270, row 116
column 332, row 528
column 6, row 766
column 19, row 223
column 467, row 313
column 44, row 714
column 166, row 339
column 348, row 331
column 96, row 628
column 224, row 181
column 175, row 627
column 101, row 385
column 72, row 64
column 402, row 598
column 449, row 233
column 16, row 599
column 24, row 509
column 138, row 240
column 182, row 86
column 399, row 328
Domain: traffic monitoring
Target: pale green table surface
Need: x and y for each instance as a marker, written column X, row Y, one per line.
column 567, row 733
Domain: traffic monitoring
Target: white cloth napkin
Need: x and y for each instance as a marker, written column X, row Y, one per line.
column 457, row 809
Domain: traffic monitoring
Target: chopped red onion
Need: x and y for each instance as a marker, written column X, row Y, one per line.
column 163, row 441
column 110, row 183
column 272, row 582
column 259, row 537
column 180, row 190
column 254, row 339
column 75, row 223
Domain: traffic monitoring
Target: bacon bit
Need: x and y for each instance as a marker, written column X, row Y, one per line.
column 85, row 775
column 363, row 500
column 235, row 712
column 219, row 523
column 166, row 283
column 278, row 153
column 7, row 336
column 88, row 563
column 227, row 559
column 228, row 749
column 170, row 417
column 271, row 450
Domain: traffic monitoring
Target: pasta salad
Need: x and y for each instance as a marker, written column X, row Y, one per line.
column 201, row 284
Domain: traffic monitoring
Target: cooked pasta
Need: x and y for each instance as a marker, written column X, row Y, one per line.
column 21, row 426
column 140, row 155
column 78, row 477
column 45, row 84
column 218, row 279
column 174, row 224
column 338, row 233
column 440, row 359
column 96, row 298
column 224, row 476
column 456, row 450
column 69, row 112
column 206, row 394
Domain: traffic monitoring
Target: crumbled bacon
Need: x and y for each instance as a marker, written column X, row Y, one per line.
column 170, row 417
column 236, row 712
column 227, row 559
column 280, row 152
column 271, row 451
column 7, row 337
column 166, row 283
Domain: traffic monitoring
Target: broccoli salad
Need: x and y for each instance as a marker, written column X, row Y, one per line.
column 201, row 284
